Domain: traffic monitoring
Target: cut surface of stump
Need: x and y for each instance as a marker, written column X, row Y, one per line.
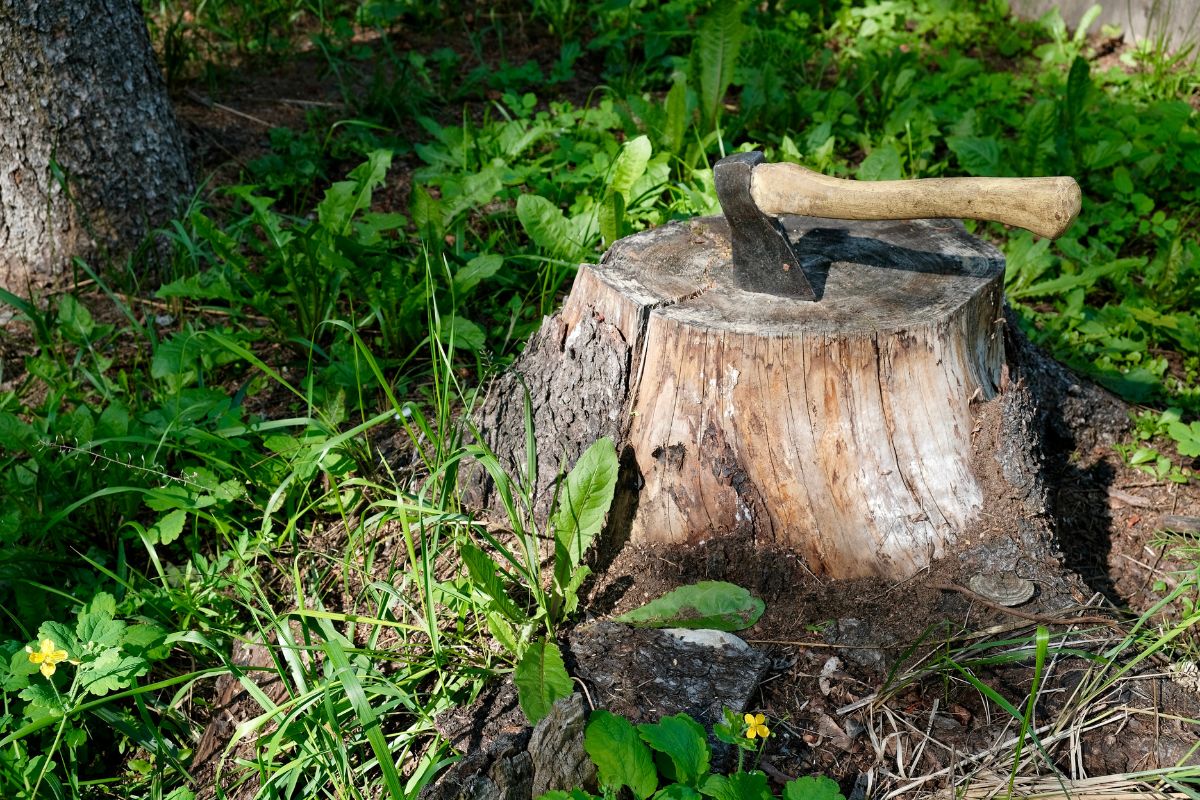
column 841, row 428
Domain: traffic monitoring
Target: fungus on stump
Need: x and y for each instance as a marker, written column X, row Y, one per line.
column 841, row 429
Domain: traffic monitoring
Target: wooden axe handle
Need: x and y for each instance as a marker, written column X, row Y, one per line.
column 1046, row 206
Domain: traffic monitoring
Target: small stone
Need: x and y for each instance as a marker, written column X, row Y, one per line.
column 645, row 674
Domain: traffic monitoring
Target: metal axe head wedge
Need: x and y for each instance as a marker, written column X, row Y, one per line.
column 753, row 192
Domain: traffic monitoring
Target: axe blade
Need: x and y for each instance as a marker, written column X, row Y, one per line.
column 763, row 258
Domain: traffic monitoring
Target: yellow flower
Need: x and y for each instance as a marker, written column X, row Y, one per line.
column 48, row 656
column 756, row 725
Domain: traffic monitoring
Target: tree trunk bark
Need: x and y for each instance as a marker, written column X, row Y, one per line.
column 865, row 432
column 90, row 152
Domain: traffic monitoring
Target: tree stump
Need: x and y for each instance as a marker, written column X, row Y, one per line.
column 841, row 429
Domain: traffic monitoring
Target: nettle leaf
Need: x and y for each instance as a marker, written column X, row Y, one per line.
column 708, row 604
column 477, row 269
column 682, row 740
column 630, row 165
column 812, row 788
column 883, row 164
column 168, row 528
column 978, row 155
column 620, row 755
column 541, row 679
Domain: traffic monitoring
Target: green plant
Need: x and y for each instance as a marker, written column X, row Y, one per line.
column 672, row 758
column 708, row 604
column 103, row 656
column 583, row 502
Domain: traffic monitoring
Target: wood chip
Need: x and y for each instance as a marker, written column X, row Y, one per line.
column 1129, row 499
column 1180, row 523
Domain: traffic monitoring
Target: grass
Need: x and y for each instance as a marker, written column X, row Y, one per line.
column 263, row 447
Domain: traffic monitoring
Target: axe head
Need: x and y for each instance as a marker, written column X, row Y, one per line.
column 763, row 257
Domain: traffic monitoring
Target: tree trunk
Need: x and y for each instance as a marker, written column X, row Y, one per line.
column 90, row 153
column 863, row 431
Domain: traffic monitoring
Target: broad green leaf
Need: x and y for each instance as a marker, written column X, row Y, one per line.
column 620, row 756
column 883, row 164
column 629, row 166
column 676, row 128
column 717, row 45
column 485, row 579
column 750, row 786
column 101, row 603
column 1187, row 437
column 1037, row 142
column 344, row 199
column 42, row 695
column 676, row 791
column 61, row 635
column 1122, row 180
column 465, row 335
column 978, row 155
column 99, row 629
column 110, row 672
column 1079, row 86
column 683, row 741
column 584, row 499
column 612, row 218
column 145, row 640
column 812, row 787
column 559, row 794
column 547, row 226
column 168, row 528
column 74, row 318
column 113, row 422
column 541, row 679
column 476, row 270
column 708, row 604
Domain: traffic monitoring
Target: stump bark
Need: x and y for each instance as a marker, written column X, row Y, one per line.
column 842, row 429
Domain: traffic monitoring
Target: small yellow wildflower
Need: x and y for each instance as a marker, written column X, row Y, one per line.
column 49, row 656
column 756, row 725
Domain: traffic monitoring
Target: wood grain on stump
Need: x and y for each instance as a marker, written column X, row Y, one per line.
column 840, row 428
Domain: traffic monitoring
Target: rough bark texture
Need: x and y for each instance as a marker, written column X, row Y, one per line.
column 843, row 429
column 522, row 764
column 90, row 153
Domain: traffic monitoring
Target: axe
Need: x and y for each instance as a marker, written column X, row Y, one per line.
column 752, row 192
